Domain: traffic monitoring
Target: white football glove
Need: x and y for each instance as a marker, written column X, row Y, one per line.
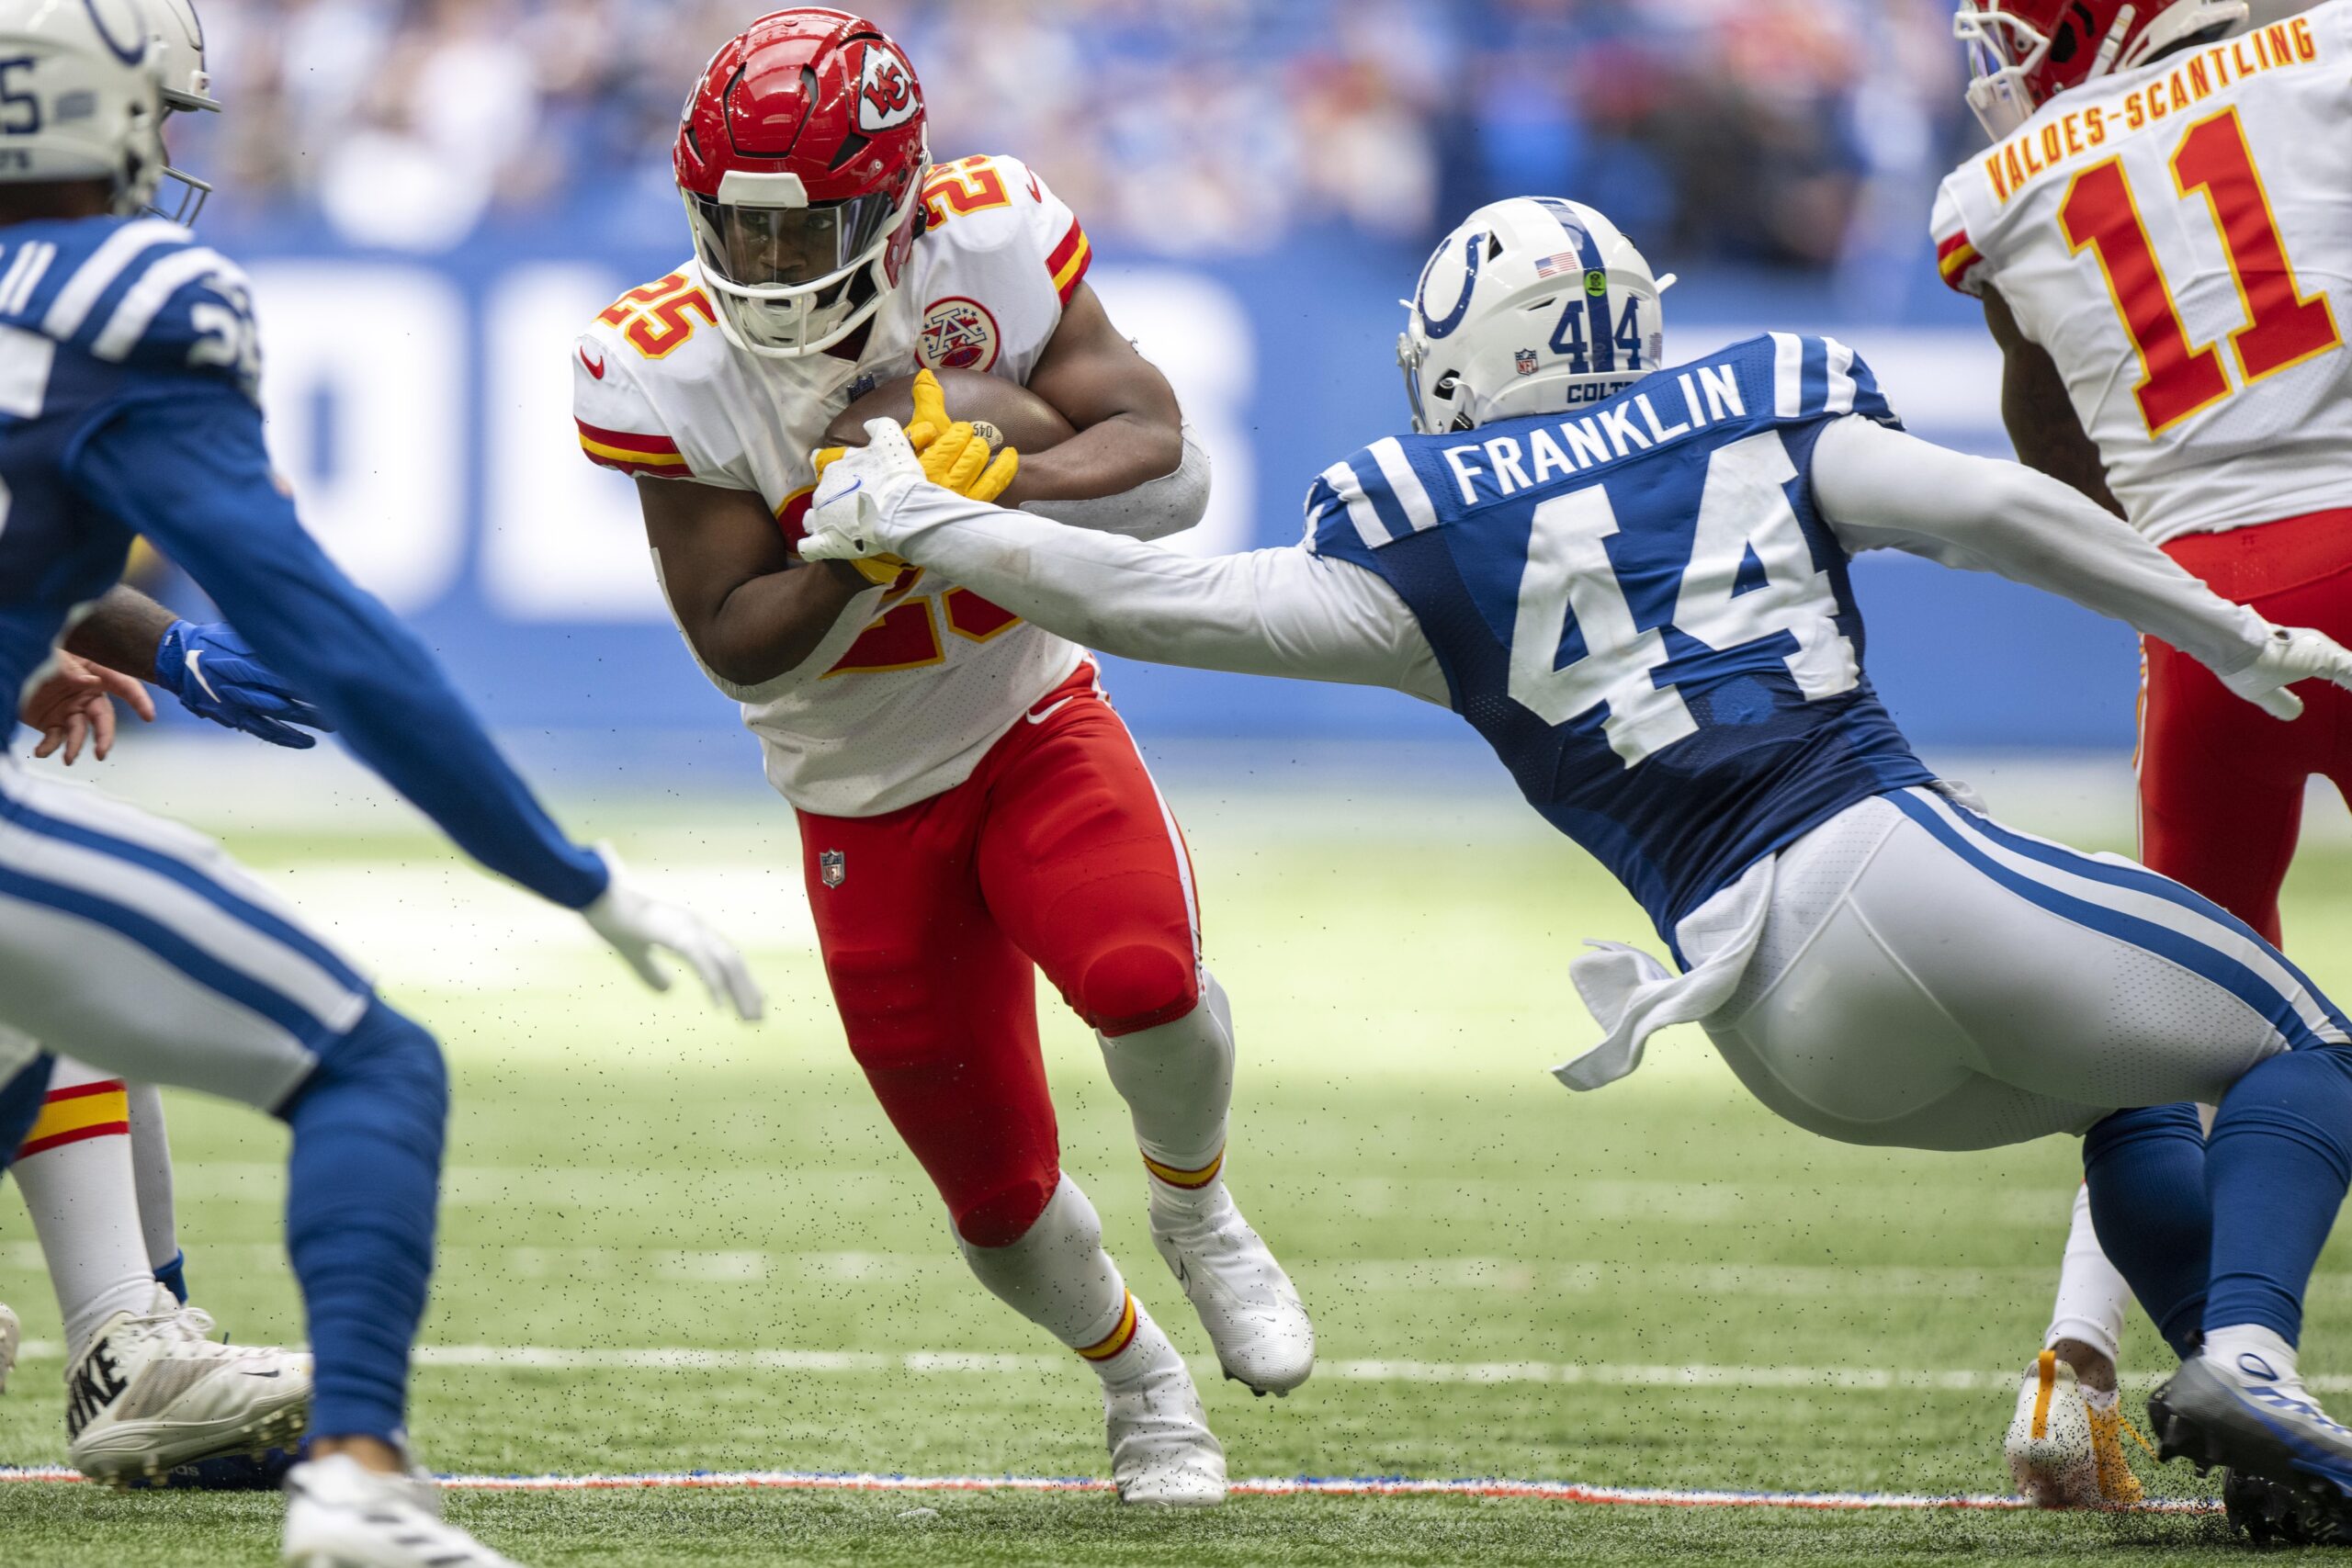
column 2291, row 654
column 858, row 494
column 637, row 923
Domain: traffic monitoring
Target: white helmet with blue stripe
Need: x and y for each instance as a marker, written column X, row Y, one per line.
column 81, row 96
column 1534, row 305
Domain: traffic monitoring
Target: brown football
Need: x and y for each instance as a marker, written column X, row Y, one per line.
column 1009, row 414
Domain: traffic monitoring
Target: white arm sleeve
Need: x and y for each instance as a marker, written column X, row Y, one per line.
column 1153, row 510
column 1282, row 611
column 1881, row 488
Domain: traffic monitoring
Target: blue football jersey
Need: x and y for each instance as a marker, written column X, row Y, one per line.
column 1639, row 609
column 96, row 314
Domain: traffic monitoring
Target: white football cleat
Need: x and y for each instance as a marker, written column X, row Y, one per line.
column 2062, row 1454
column 340, row 1514
column 1162, row 1452
column 151, row 1392
column 12, row 1339
column 1250, row 1309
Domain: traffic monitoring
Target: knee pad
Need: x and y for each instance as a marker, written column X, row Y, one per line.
column 1001, row 1213
column 1138, row 986
column 396, row 1062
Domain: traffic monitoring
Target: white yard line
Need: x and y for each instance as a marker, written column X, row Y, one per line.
column 927, row 1363
column 1363, row 1486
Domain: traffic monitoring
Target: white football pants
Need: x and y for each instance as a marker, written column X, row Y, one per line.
column 1927, row 978
column 140, row 947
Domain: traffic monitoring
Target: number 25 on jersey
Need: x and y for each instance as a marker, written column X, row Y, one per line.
column 2284, row 327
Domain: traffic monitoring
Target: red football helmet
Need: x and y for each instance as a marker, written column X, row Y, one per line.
column 2022, row 53
column 800, row 157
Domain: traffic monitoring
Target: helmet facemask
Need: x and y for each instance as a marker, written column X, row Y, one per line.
column 178, row 42
column 2006, row 53
column 2003, row 50
column 795, row 280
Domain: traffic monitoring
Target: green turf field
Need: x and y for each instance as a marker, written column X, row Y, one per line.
column 1509, row 1280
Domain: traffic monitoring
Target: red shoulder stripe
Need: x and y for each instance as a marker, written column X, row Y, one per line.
column 628, row 441
column 1069, row 260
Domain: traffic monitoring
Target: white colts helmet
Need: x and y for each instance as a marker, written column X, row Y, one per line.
column 1532, row 305
column 80, row 96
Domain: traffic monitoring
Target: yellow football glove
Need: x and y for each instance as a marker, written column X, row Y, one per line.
column 880, row 570
column 958, row 458
column 929, row 417
column 953, row 452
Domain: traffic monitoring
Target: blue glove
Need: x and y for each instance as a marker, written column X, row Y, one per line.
column 216, row 676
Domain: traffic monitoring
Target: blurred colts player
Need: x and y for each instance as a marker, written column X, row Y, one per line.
column 2155, row 234
column 96, row 1170
column 969, row 805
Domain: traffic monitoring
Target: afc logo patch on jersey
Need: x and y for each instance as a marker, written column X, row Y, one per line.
column 886, row 91
column 956, row 333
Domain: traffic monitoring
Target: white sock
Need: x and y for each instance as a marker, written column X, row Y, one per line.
column 2103, row 1400
column 2247, row 1352
column 1059, row 1277
column 151, row 1169
column 1177, row 1079
column 2092, row 1297
column 74, row 1169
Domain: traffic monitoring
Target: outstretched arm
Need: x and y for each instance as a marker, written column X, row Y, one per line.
column 225, row 522
column 192, row 474
column 1285, row 612
column 1881, row 488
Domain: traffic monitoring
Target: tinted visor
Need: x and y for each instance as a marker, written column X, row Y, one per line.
column 791, row 247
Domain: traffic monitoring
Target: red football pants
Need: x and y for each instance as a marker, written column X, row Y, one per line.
column 1058, row 850
column 2222, row 782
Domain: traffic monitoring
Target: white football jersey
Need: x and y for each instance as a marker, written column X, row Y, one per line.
column 913, row 683
column 2180, row 238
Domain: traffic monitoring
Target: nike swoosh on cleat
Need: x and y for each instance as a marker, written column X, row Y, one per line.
column 198, row 675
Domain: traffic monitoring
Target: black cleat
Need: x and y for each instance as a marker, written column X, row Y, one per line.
column 2268, row 1513
column 2262, row 1436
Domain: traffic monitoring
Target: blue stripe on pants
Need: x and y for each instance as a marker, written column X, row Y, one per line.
column 171, row 948
column 2209, row 962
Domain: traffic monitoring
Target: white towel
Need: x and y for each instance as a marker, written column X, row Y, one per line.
column 1632, row 995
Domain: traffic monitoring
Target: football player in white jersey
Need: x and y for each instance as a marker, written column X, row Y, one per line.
column 969, row 805
column 2160, row 234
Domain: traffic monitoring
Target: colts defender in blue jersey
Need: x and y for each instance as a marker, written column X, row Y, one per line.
column 1631, row 581
column 128, row 363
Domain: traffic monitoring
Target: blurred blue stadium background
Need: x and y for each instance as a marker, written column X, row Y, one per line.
column 436, row 194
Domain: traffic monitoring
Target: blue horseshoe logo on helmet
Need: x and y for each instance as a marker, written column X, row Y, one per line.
column 131, row 56
column 1473, row 252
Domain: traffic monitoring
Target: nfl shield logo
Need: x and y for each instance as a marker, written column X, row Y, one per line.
column 1525, row 360
column 831, row 867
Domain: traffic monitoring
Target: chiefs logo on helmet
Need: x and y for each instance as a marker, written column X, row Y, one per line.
column 886, row 91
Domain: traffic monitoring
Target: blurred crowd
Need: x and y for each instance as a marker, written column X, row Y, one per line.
column 1801, row 134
